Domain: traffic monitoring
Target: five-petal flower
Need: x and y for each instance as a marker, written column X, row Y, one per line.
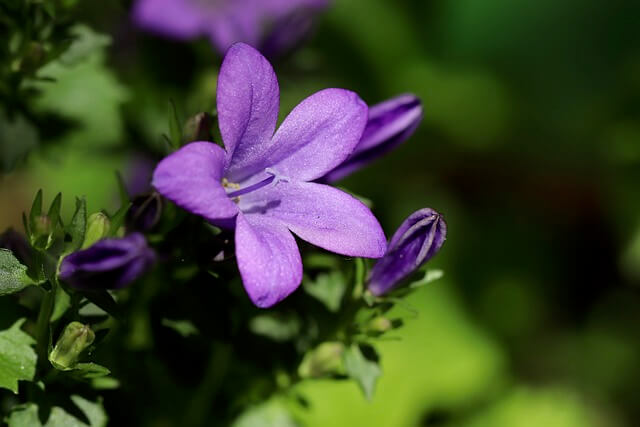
column 261, row 185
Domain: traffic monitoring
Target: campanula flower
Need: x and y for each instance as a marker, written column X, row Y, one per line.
column 415, row 242
column 269, row 25
column 261, row 183
column 108, row 264
column 390, row 123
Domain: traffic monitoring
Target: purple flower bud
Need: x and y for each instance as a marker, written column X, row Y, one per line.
column 145, row 212
column 108, row 264
column 390, row 123
column 417, row 240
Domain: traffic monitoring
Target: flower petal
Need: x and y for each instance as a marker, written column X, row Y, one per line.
column 191, row 178
column 390, row 123
column 268, row 259
column 318, row 134
column 248, row 98
column 321, row 215
column 172, row 18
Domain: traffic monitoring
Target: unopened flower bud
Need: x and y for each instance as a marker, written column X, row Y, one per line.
column 417, row 240
column 98, row 225
column 145, row 212
column 75, row 338
column 324, row 360
column 390, row 123
column 380, row 324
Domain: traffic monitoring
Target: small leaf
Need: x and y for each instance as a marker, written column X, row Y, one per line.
column 78, row 226
column 17, row 357
column 13, row 275
column 105, row 301
column 54, row 210
column 118, row 219
column 269, row 414
column 122, row 190
column 429, row 276
column 175, row 129
column 275, row 326
column 328, row 288
column 61, row 304
column 90, row 370
column 362, row 370
column 36, row 210
column 183, row 327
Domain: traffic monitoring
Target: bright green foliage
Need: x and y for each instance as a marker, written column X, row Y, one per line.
column 27, row 415
column 17, row 357
column 270, row 414
column 328, row 288
column 13, row 275
column 361, row 369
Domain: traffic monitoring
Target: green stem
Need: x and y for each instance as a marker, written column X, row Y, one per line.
column 42, row 326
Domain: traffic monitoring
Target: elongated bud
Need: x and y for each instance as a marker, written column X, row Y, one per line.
column 324, row 360
column 145, row 212
column 98, row 225
column 417, row 240
column 390, row 123
column 75, row 338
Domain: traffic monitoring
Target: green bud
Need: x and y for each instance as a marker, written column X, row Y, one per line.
column 326, row 359
column 75, row 338
column 98, row 225
column 380, row 324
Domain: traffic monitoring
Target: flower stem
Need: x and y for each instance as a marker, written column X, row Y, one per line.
column 42, row 325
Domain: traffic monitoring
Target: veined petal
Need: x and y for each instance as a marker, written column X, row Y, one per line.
column 191, row 178
column 390, row 123
column 268, row 259
column 248, row 99
column 319, row 134
column 173, row 18
column 321, row 215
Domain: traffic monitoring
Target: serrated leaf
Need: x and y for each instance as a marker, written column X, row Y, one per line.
column 27, row 415
column 77, row 227
column 364, row 371
column 328, row 288
column 183, row 327
column 17, row 357
column 13, row 275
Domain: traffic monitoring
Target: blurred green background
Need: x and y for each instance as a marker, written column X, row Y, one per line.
column 530, row 147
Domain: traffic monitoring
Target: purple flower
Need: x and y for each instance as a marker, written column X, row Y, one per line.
column 390, row 123
column 261, row 184
column 108, row 264
column 270, row 25
column 417, row 240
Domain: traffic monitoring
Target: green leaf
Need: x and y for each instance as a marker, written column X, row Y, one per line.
column 78, row 226
column 122, row 190
column 17, row 357
column 27, row 415
column 61, row 303
column 36, row 210
column 118, row 219
column 54, row 209
column 13, row 275
column 328, row 288
column 175, row 129
column 270, row 414
column 275, row 326
column 429, row 276
column 103, row 300
column 90, row 370
column 364, row 371
column 183, row 327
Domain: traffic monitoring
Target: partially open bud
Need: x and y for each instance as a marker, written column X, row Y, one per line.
column 98, row 225
column 390, row 123
column 145, row 212
column 75, row 338
column 326, row 359
column 108, row 264
column 415, row 242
